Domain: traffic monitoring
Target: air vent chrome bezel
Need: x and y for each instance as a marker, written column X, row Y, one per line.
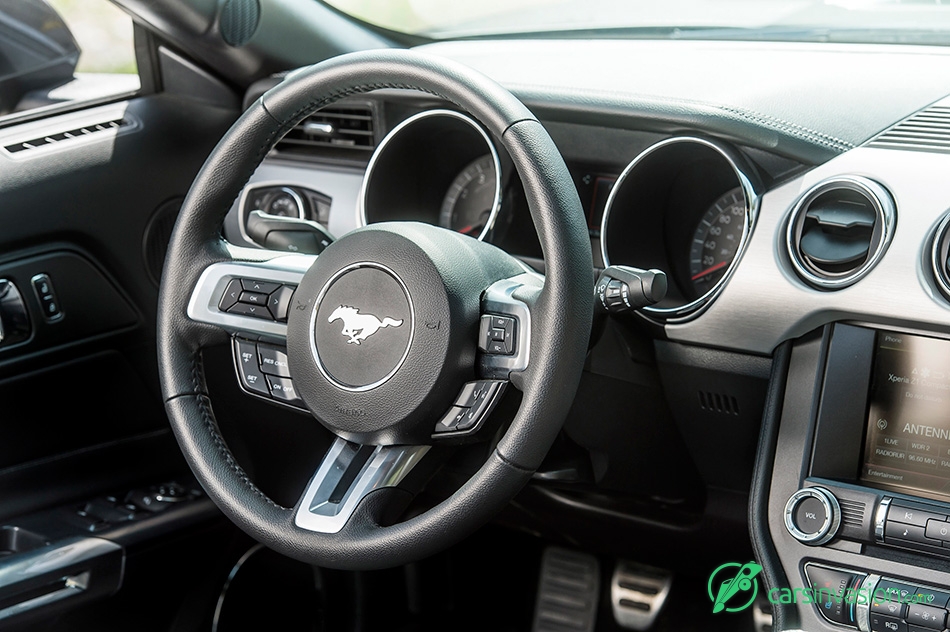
column 886, row 221
column 938, row 252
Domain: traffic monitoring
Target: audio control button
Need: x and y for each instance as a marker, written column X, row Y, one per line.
column 909, row 514
column 906, row 532
column 812, row 515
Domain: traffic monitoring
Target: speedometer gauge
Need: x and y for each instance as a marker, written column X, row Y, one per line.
column 468, row 203
column 716, row 240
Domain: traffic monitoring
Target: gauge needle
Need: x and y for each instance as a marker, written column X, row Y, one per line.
column 700, row 275
column 468, row 229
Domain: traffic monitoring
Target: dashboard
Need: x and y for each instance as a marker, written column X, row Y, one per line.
column 805, row 243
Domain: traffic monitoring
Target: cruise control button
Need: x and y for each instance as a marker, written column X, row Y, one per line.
column 450, row 421
column 926, row 616
column 279, row 302
column 255, row 311
column 273, row 360
column 283, row 389
column 248, row 369
column 264, row 287
column 231, row 295
column 881, row 623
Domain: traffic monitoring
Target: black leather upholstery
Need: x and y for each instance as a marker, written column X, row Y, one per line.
column 561, row 317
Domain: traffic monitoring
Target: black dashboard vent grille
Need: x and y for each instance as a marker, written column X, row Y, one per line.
column 852, row 512
column 340, row 126
column 839, row 230
column 79, row 132
column 718, row 403
column 928, row 130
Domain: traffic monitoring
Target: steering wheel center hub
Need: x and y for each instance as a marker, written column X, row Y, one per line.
column 362, row 327
column 382, row 333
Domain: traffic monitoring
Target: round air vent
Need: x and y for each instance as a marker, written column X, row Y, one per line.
column 839, row 230
column 940, row 256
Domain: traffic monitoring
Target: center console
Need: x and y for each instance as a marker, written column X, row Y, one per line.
column 859, row 498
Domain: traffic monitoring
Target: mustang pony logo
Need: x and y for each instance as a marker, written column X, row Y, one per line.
column 359, row 326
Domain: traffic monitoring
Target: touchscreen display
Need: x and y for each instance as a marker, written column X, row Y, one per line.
column 907, row 443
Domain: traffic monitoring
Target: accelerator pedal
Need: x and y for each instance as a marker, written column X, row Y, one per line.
column 568, row 592
column 638, row 593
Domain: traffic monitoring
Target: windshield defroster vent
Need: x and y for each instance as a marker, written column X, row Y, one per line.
column 340, row 126
column 928, row 130
column 839, row 230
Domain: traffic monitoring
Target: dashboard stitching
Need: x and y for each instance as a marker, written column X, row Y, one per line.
column 799, row 131
column 792, row 128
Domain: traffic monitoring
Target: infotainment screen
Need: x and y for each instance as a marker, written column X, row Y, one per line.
column 907, row 444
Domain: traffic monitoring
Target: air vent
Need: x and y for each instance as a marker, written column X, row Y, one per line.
column 348, row 127
column 940, row 256
column 852, row 512
column 928, row 130
column 718, row 403
column 79, row 132
column 839, row 230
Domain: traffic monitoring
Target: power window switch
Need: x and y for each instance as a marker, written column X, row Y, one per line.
column 43, row 288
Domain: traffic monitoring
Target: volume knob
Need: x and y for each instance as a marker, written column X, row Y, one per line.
column 812, row 515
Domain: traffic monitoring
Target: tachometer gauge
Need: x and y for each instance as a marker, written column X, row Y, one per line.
column 716, row 240
column 471, row 197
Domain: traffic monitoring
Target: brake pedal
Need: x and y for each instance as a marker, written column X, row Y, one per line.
column 568, row 591
column 638, row 593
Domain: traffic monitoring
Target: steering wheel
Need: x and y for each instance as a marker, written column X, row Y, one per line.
column 383, row 331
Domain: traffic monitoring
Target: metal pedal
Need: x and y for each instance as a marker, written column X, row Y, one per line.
column 637, row 594
column 762, row 615
column 568, row 592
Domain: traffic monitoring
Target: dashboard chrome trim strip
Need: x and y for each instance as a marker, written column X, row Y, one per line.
column 766, row 303
column 750, row 191
column 496, row 161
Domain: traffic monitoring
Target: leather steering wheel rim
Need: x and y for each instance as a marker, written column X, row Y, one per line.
column 561, row 316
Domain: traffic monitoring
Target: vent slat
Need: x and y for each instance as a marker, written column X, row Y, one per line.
column 53, row 139
column 337, row 128
column 927, row 130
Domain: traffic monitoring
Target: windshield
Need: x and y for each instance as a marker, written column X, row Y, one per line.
column 876, row 21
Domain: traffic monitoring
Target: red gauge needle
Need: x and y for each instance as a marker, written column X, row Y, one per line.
column 700, row 275
column 467, row 230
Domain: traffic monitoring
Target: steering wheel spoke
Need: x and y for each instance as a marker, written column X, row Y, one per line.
column 349, row 472
column 504, row 333
column 251, row 298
